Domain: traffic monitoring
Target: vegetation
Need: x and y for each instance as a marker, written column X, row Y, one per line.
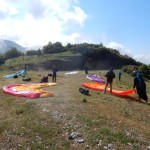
column 13, row 53
column 34, row 60
column 144, row 69
column 34, row 52
column 100, row 121
column 1, row 59
column 89, row 51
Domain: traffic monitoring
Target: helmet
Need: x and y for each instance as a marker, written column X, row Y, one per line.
column 134, row 73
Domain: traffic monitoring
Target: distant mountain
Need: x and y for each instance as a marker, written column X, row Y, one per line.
column 6, row 45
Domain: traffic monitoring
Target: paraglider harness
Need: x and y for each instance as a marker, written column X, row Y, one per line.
column 84, row 91
column 44, row 79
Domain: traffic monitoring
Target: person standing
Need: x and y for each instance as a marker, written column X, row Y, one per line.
column 54, row 73
column 110, row 75
column 86, row 70
column 119, row 75
column 140, row 86
column 25, row 67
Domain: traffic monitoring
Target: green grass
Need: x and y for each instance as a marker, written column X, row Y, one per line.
column 24, row 108
column 20, row 61
column 46, row 123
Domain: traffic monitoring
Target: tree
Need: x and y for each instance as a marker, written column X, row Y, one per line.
column 13, row 53
column 2, row 59
column 144, row 70
column 53, row 48
column 39, row 52
column 47, row 49
column 30, row 53
column 58, row 48
column 101, row 45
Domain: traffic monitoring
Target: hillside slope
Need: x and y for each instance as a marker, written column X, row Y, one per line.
column 6, row 45
column 66, row 61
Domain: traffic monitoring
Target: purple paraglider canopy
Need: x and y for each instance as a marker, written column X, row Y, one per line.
column 97, row 78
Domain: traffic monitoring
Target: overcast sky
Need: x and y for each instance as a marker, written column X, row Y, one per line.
column 123, row 25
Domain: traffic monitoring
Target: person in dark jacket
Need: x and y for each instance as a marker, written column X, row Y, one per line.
column 140, row 86
column 86, row 70
column 119, row 75
column 110, row 75
column 54, row 73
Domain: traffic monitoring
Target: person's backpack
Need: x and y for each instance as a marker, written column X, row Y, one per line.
column 15, row 76
column 84, row 91
column 44, row 79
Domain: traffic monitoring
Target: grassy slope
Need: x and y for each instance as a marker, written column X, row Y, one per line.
column 20, row 61
column 46, row 123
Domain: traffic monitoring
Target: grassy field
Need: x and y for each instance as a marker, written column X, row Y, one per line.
column 72, row 121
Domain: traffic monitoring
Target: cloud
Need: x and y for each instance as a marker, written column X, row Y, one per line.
column 120, row 47
column 143, row 58
column 6, row 10
column 35, row 23
column 125, row 51
column 36, row 9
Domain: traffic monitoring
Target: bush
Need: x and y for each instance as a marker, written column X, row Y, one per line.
column 129, row 69
column 144, row 69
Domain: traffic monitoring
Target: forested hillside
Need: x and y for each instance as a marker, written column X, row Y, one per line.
column 69, row 57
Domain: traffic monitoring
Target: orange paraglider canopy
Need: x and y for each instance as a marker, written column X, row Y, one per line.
column 32, row 90
column 100, row 87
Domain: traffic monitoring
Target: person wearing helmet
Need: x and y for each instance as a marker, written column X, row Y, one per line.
column 140, row 86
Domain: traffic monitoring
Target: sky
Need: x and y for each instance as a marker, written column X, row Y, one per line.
column 120, row 24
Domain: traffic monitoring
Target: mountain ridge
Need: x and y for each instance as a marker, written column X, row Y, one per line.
column 6, row 45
